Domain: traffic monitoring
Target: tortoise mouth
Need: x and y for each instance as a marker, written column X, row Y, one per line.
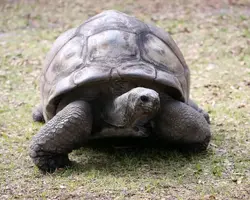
column 147, row 110
column 149, row 105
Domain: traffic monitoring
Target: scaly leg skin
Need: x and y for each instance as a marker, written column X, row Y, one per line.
column 66, row 131
column 197, row 108
column 183, row 126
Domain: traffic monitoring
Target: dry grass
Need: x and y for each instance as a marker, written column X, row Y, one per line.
column 215, row 40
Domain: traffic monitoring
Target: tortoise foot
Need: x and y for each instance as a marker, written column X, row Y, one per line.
column 51, row 163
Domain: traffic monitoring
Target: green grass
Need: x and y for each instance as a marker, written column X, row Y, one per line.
column 216, row 45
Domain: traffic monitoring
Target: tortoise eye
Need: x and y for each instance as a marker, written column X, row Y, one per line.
column 144, row 98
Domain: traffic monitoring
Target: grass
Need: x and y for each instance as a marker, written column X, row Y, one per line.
column 214, row 38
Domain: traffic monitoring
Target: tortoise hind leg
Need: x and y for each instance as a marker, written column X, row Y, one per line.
column 197, row 108
column 66, row 131
column 37, row 114
column 182, row 126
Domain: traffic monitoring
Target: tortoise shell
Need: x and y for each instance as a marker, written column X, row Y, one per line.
column 112, row 45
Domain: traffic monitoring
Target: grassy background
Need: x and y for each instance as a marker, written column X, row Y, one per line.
column 214, row 37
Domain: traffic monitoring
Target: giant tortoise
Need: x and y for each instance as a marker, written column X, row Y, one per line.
column 114, row 76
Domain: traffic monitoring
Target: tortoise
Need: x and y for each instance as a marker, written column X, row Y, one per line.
column 114, row 76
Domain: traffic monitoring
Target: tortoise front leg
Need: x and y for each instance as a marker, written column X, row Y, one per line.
column 66, row 131
column 180, row 124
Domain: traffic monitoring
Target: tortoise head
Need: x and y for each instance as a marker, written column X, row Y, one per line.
column 135, row 107
column 142, row 102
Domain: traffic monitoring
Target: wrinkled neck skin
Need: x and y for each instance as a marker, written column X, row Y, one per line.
column 116, row 111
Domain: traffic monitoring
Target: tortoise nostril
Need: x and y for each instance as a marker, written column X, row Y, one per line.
column 144, row 98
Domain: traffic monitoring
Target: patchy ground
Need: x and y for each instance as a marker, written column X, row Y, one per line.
column 215, row 40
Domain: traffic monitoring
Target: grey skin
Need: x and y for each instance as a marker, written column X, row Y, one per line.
column 114, row 76
column 71, row 127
